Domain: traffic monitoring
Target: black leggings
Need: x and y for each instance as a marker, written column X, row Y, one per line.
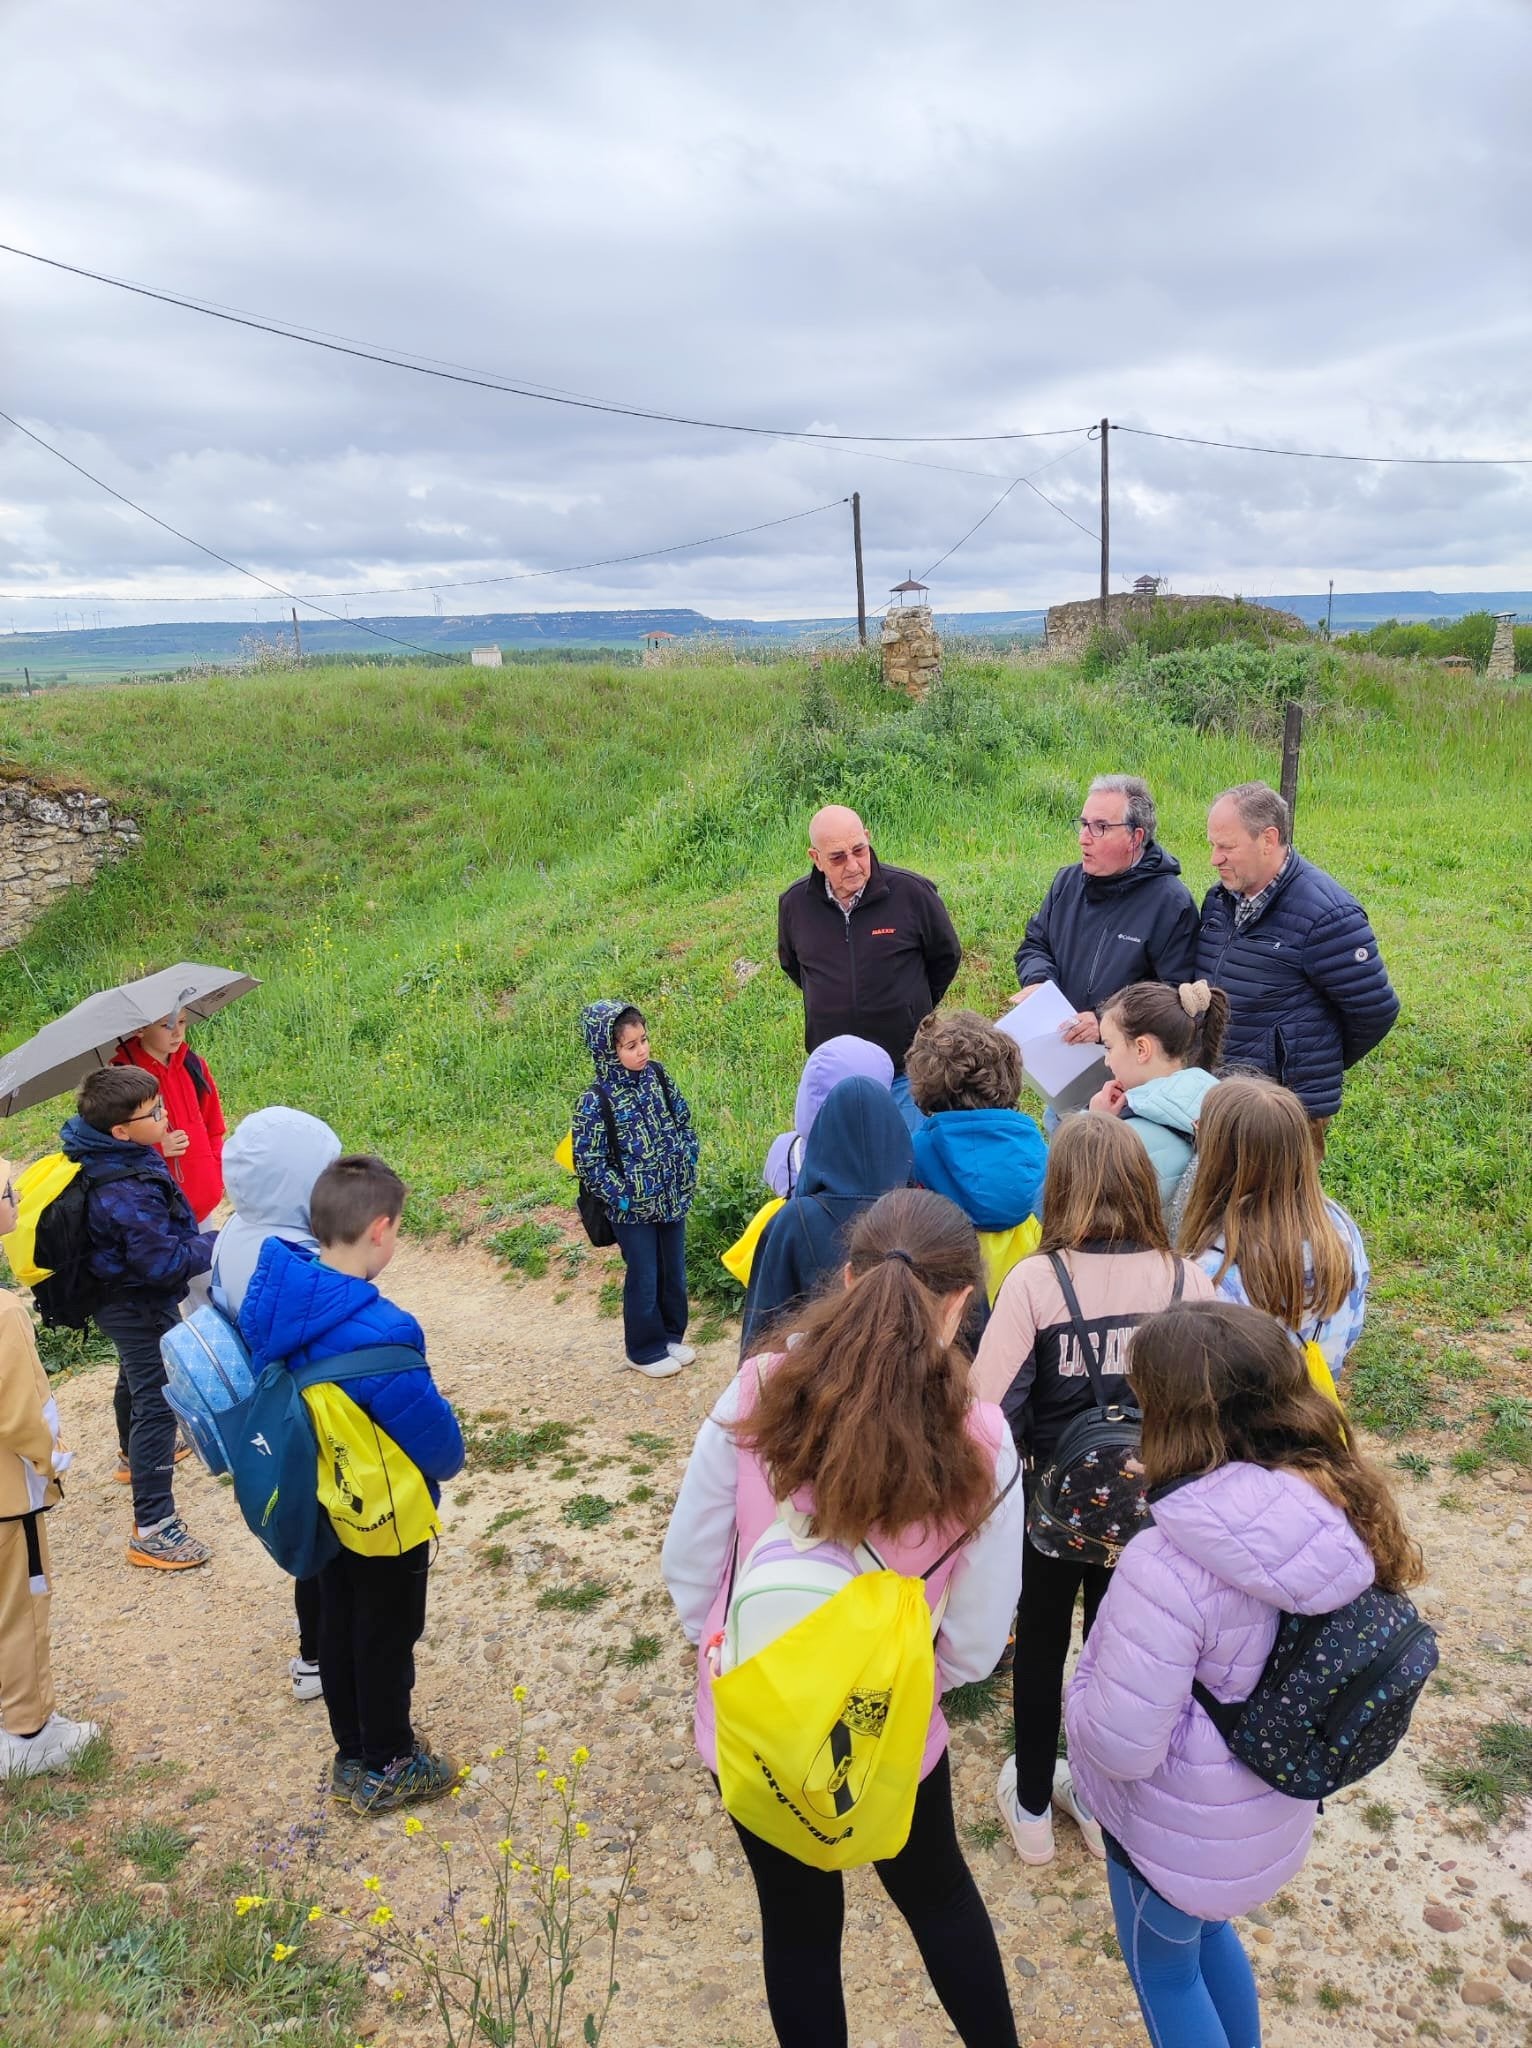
column 802, row 1910
column 1049, row 1586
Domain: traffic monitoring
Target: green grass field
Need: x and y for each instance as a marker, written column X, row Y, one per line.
column 431, row 871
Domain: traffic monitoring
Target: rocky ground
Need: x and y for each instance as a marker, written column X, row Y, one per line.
column 1409, row 1921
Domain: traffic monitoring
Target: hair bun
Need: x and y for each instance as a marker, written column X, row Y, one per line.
column 1195, row 997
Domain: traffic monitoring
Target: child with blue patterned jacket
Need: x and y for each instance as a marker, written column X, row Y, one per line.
column 646, row 1187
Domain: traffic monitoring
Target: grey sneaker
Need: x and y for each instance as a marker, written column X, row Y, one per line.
column 657, row 1368
column 420, row 1775
column 172, row 1548
column 346, row 1773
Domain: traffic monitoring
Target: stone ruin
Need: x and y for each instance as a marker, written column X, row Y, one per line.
column 912, row 654
column 52, row 838
column 1068, row 627
column 1502, row 656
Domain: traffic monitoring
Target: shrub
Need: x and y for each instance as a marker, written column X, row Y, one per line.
column 1232, row 688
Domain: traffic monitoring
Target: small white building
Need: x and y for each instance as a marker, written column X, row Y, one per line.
column 486, row 657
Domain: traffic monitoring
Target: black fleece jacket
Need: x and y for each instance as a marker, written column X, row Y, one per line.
column 873, row 975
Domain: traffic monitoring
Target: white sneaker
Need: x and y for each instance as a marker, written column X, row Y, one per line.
column 307, row 1684
column 1031, row 1839
column 657, row 1369
column 57, row 1742
column 1067, row 1800
column 683, row 1354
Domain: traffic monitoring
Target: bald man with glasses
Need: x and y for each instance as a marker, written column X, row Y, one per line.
column 1119, row 914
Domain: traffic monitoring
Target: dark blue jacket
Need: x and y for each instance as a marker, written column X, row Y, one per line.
column 1308, row 991
column 144, row 1239
column 858, row 1150
column 656, row 1174
column 1094, row 934
column 299, row 1309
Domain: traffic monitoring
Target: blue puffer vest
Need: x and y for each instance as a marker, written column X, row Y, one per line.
column 1308, row 992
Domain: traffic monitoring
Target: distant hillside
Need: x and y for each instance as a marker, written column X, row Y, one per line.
column 120, row 650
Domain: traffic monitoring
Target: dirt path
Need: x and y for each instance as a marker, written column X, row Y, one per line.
column 191, row 1672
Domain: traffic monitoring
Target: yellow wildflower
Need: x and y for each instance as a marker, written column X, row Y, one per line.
column 561, row 1784
column 382, row 1916
column 372, row 1884
column 315, row 1913
column 484, row 1920
column 413, row 1826
column 542, row 1754
column 446, row 1848
column 495, row 1754
column 456, row 1792
column 581, row 1829
column 464, row 1770
column 542, row 1777
column 518, row 1693
column 516, row 1865
column 281, row 1952
column 250, row 1903
column 505, row 1845
column 560, row 1874
column 580, row 1757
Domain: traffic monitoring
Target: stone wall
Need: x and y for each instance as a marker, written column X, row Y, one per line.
column 1502, row 656
column 49, row 840
column 1069, row 626
column 912, row 654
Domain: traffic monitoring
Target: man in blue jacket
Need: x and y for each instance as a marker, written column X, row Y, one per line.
column 1308, row 992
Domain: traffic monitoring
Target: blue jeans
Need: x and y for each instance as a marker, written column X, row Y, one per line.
column 906, row 1105
column 1195, row 1986
column 653, row 1287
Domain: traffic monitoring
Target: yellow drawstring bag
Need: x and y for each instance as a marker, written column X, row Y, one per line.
column 42, row 1182
column 1320, row 1373
column 376, row 1496
column 822, row 1732
column 1002, row 1249
column 740, row 1257
column 564, row 1154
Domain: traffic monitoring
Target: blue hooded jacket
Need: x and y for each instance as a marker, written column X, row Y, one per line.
column 858, row 1150
column 991, row 1162
column 298, row 1309
column 144, row 1238
column 657, row 1174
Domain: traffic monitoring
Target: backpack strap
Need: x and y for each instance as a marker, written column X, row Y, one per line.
column 969, row 1534
column 201, row 1079
column 1093, row 1365
column 1222, row 1713
column 663, row 1078
column 359, row 1365
column 609, row 1118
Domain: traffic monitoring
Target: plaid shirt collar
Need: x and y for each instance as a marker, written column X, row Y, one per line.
column 1247, row 908
column 845, row 909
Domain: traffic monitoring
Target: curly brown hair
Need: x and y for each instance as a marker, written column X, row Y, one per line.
column 869, row 1407
column 1223, row 1384
column 960, row 1061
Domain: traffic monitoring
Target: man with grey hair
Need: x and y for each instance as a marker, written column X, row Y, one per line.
column 1308, row 992
column 1119, row 914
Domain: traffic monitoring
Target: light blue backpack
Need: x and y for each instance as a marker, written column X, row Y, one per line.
column 207, row 1375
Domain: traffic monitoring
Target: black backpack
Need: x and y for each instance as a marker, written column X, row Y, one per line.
column 594, row 1214
column 70, row 1295
column 1334, row 1698
column 1089, row 1497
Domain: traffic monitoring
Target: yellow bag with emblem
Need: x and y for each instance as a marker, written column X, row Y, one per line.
column 821, row 1733
column 376, row 1497
column 1320, row 1374
column 740, row 1256
column 35, row 1188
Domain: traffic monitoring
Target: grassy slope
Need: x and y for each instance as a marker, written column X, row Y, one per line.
column 432, row 871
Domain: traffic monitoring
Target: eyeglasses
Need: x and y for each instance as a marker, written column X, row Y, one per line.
column 9, row 1195
column 147, row 1116
column 1098, row 828
column 838, row 860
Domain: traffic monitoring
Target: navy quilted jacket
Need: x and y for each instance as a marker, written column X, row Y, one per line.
column 144, row 1238
column 1308, row 992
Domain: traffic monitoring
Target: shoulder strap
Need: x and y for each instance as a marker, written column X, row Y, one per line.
column 1082, row 1334
column 663, row 1078
column 609, row 1118
column 969, row 1534
column 201, row 1080
column 359, row 1365
column 1223, row 1714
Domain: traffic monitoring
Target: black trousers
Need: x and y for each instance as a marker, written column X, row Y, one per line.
column 1049, row 1588
column 306, row 1607
column 371, row 1614
column 803, row 1910
column 146, row 1424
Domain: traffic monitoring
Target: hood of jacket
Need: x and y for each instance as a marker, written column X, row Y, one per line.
column 1268, row 1534
column 991, row 1162
column 837, row 1060
column 596, row 1021
column 295, row 1306
column 1153, row 862
column 858, row 1149
column 270, row 1166
column 1174, row 1100
column 105, row 1158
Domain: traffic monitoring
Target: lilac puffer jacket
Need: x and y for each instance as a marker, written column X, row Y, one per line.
column 1198, row 1596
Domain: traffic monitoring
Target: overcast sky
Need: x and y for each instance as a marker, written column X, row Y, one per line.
column 1306, row 225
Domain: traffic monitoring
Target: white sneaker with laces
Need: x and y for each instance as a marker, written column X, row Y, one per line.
column 1068, row 1800
column 1031, row 1839
column 57, row 1742
column 658, row 1368
column 307, row 1684
column 683, row 1354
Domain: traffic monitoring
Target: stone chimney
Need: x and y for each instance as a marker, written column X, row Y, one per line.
column 912, row 654
column 1502, row 656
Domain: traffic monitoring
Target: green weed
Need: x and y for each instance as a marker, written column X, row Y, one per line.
column 1378, row 1815
column 1388, row 1383
column 1497, row 1777
column 505, row 1518
column 1415, row 1463
column 639, row 1494
column 526, row 1246
column 1468, row 1460
column 642, row 1650
column 651, row 1445
column 509, row 1450
column 575, row 1599
column 1509, row 1435
column 1333, row 1998
column 980, row 1701
column 156, row 1847
column 587, row 1511
column 984, row 1834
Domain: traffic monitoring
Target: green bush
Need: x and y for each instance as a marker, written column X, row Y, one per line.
column 1234, row 688
column 726, row 1200
column 1472, row 636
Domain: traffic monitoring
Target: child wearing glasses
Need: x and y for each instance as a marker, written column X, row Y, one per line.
column 145, row 1248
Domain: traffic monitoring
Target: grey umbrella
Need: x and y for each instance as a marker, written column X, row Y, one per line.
column 63, row 1052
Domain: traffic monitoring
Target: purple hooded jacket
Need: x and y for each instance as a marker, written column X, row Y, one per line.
column 837, row 1060
column 1198, row 1596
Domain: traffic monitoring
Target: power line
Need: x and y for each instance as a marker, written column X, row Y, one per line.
column 546, row 395
column 397, row 589
column 201, row 546
column 1011, row 486
column 1325, row 455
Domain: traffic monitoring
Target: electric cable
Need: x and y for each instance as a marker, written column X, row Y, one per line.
column 1011, row 486
column 1326, row 455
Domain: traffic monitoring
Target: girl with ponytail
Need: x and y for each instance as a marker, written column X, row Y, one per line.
column 864, row 1418
column 1162, row 1046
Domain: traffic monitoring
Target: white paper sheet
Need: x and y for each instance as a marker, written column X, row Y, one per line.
column 1059, row 1071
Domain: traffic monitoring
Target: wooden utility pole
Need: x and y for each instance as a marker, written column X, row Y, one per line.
column 1106, row 522
column 28, row 674
column 297, row 637
column 1292, row 747
column 1329, row 607
column 861, row 587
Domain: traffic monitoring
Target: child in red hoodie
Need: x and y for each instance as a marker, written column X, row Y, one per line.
column 194, row 1148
